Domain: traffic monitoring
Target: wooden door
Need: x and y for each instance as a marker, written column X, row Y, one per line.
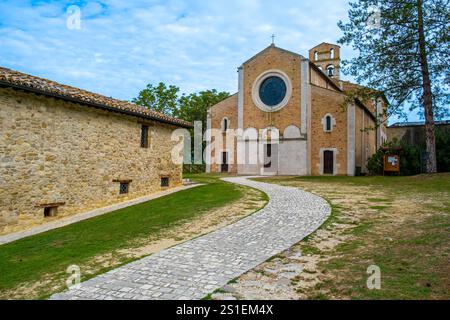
column 224, row 166
column 328, row 162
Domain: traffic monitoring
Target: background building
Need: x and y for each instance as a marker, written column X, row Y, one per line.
column 319, row 132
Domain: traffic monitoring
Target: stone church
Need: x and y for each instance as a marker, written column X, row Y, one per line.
column 302, row 101
column 65, row 151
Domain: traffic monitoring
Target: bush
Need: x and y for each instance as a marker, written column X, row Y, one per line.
column 411, row 161
column 443, row 150
column 194, row 168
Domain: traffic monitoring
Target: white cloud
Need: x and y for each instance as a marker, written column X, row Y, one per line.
column 123, row 45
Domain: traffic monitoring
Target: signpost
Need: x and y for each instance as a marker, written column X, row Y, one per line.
column 392, row 163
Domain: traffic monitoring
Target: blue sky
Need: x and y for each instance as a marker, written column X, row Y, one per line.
column 123, row 45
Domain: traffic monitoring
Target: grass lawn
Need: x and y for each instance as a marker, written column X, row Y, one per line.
column 49, row 254
column 401, row 224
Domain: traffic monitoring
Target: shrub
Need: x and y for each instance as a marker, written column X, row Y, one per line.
column 410, row 158
column 443, row 150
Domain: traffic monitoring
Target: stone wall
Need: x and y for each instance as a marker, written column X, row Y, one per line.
column 365, row 138
column 323, row 102
column 272, row 59
column 224, row 109
column 52, row 151
column 324, row 57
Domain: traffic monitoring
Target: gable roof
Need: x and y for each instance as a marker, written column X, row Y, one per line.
column 272, row 46
column 327, row 43
column 18, row 80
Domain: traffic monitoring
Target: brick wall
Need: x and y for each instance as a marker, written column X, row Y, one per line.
column 224, row 109
column 289, row 63
column 324, row 101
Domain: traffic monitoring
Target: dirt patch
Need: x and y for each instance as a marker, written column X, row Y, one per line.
column 368, row 223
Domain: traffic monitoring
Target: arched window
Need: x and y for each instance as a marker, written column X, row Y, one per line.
column 316, row 55
column 331, row 53
column 225, row 124
column 330, row 70
column 328, row 123
column 321, row 69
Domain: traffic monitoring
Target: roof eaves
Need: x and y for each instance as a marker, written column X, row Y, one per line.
column 176, row 122
column 324, row 75
column 273, row 47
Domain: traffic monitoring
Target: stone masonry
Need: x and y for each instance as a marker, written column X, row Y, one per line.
column 54, row 151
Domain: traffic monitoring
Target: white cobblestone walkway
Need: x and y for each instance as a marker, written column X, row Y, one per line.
column 197, row 267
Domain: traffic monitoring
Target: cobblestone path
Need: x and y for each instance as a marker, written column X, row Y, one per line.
column 197, row 267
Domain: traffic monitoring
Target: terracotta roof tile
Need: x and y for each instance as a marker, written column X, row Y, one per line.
column 15, row 79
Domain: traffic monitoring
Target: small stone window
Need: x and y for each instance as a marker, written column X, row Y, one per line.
column 328, row 123
column 316, row 55
column 331, row 53
column 330, row 70
column 164, row 182
column 144, row 136
column 50, row 211
column 225, row 124
column 124, row 187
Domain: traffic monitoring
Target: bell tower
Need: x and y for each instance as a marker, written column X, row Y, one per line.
column 327, row 57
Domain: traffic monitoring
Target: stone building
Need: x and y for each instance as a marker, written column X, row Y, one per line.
column 302, row 103
column 414, row 132
column 64, row 151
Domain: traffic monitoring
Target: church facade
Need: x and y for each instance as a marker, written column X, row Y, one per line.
column 291, row 112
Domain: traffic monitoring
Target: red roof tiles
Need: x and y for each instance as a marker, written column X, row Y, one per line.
column 19, row 80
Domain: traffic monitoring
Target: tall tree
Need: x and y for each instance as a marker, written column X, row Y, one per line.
column 404, row 52
column 194, row 107
column 159, row 98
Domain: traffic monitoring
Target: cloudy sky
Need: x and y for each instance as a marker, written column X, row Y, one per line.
column 121, row 45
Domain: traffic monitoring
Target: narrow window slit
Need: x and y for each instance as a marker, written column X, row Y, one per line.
column 164, row 182
column 144, row 136
column 50, row 212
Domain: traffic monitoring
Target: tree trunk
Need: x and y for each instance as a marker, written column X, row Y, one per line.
column 427, row 98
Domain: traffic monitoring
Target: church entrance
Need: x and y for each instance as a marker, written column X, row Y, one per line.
column 328, row 162
column 224, row 166
column 270, row 165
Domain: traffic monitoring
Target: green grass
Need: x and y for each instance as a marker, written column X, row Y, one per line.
column 427, row 183
column 379, row 208
column 413, row 255
column 31, row 258
column 378, row 200
column 308, row 249
column 412, row 267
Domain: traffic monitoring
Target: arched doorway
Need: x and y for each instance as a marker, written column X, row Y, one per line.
column 328, row 162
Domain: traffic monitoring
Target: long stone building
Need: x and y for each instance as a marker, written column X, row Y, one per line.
column 64, row 151
column 300, row 101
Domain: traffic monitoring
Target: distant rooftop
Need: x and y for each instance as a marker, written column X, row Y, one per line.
column 418, row 123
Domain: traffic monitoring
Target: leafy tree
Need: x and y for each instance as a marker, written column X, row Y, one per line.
column 404, row 52
column 159, row 98
column 194, row 107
